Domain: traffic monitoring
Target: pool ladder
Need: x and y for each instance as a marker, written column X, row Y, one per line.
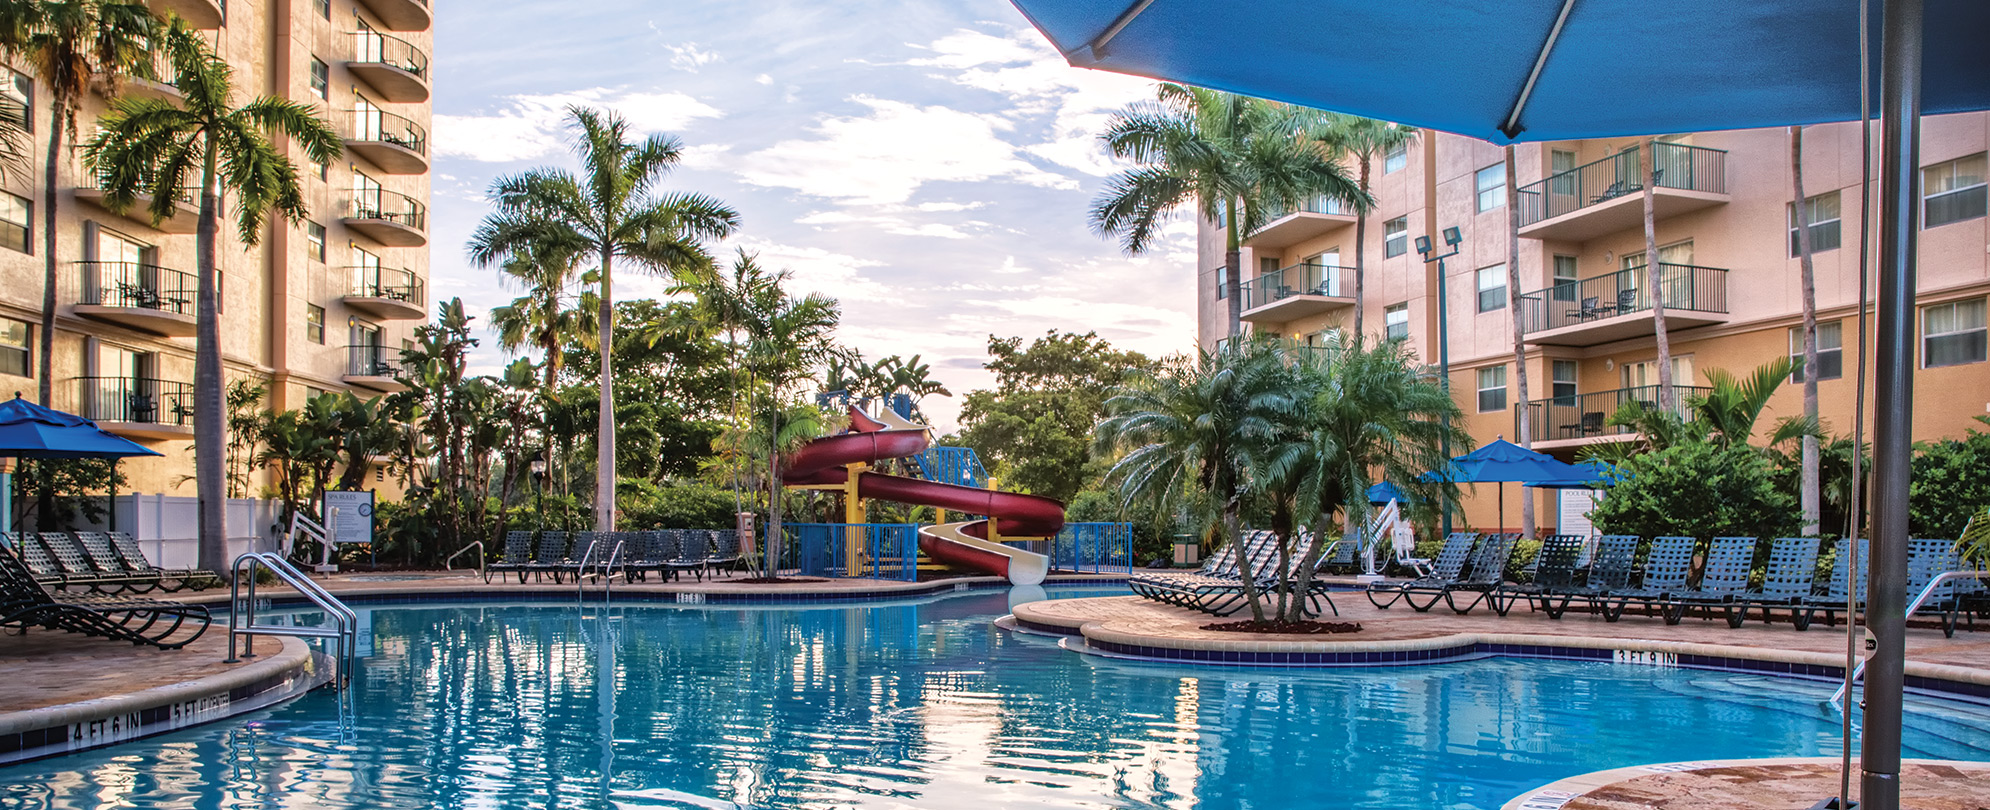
column 606, row 570
column 242, row 624
column 1837, row 700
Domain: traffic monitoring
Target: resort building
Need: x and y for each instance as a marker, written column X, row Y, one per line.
column 1730, row 276
column 322, row 305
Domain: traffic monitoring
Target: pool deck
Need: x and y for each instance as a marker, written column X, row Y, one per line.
column 1755, row 784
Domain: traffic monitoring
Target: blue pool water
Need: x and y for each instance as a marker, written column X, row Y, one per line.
column 925, row 705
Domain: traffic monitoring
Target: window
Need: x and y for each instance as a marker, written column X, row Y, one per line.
column 324, row 8
column 1396, row 321
column 17, row 98
column 1561, row 181
column 366, row 272
column 1830, row 351
column 14, row 347
column 1953, row 191
column 1396, row 236
column 314, row 324
column 1492, row 288
column 321, row 170
column 314, row 241
column 16, row 222
column 1644, row 374
column 321, row 79
column 1564, row 278
column 1492, row 389
column 1952, row 334
column 1822, row 212
column 1492, row 187
column 1563, row 374
column 1396, row 158
column 1222, row 282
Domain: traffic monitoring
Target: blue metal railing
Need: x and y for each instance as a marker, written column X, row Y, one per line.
column 900, row 404
column 889, row 550
column 1093, row 548
column 952, row 465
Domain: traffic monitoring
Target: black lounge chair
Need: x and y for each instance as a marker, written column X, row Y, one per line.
column 36, row 557
column 1166, row 587
column 103, row 557
column 1790, row 577
column 1722, row 584
column 583, row 555
column 725, row 551
column 172, row 579
column 1666, row 569
column 1445, row 570
column 1212, row 589
column 1928, row 559
column 1838, row 591
column 76, row 566
column 1554, row 577
column 694, row 552
column 1610, row 571
column 1487, row 577
column 25, row 603
column 550, row 558
column 1341, row 559
column 639, row 556
column 517, row 557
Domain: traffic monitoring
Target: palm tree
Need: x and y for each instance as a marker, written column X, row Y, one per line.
column 1365, row 139
column 1370, row 413
column 158, row 147
column 1525, row 427
column 72, row 46
column 787, row 338
column 1654, row 278
column 611, row 211
column 1232, row 156
column 541, row 318
column 1808, row 489
column 1725, row 415
column 1191, row 437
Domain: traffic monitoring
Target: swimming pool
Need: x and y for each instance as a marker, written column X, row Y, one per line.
column 925, row 705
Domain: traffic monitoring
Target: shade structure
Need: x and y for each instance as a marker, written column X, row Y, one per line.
column 1534, row 70
column 1501, row 461
column 28, row 430
column 1592, row 475
column 1384, row 492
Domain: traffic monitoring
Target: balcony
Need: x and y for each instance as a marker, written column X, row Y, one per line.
column 373, row 367
column 1606, row 196
column 400, row 15
column 1560, row 422
column 140, row 296
column 183, row 219
column 388, row 217
column 1618, row 306
column 159, row 81
column 1295, row 292
column 394, row 144
column 394, row 69
column 388, row 293
column 1283, row 229
column 138, row 407
column 200, row 14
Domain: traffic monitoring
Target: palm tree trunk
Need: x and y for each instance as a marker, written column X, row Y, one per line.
column 1653, row 278
column 210, row 423
column 1360, row 242
column 604, row 469
column 771, row 555
column 1233, row 286
column 51, row 194
column 1809, row 495
column 1524, row 429
column 1232, row 525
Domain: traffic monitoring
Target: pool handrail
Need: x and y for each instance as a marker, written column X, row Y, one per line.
column 242, row 614
column 1837, row 700
column 476, row 544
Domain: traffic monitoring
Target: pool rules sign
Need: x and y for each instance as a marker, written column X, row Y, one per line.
column 348, row 517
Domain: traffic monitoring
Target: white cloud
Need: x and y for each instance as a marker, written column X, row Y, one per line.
column 1009, row 265
column 532, row 126
column 929, row 229
column 949, row 206
column 688, row 57
column 816, row 270
column 763, row 79
column 885, row 155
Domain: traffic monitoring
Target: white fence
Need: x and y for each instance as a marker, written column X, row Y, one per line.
column 166, row 526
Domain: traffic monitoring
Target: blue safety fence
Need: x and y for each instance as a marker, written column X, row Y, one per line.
column 900, row 404
column 1093, row 548
column 886, row 550
column 952, row 465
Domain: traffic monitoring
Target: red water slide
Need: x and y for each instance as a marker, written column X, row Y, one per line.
column 821, row 462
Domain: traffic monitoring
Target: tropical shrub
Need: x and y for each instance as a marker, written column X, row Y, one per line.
column 675, row 505
column 1698, row 489
column 1951, row 481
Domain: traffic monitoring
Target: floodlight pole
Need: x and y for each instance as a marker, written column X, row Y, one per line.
column 1893, row 403
column 1423, row 248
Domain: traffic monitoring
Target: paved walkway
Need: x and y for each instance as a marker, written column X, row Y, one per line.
column 1766, row 784
column 45, row 668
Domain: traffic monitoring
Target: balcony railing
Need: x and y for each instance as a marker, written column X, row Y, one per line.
column 138, row 286
column 391, row 283
column 1686, row 287
column 1587, row 415
column 390, row 206
column 188, row 196
column 372, row 361
column 1317, row 205
column 137, row 399
column 1680, row 166
column 384, row 127
column 377, row 48
column 1305, row 278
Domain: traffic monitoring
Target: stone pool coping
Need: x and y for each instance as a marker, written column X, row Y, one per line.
column 1686, row 779
column 66, row 728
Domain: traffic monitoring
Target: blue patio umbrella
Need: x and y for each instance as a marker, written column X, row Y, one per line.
column 28, row 430
column 1510, row 70
column 1385, row 492
column 1590, row 475
column 1501, row 461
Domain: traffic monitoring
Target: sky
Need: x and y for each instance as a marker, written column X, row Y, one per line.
column 927, row 164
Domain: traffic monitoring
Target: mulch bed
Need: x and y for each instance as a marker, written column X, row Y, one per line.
column 776, row 580
column 1302, row 628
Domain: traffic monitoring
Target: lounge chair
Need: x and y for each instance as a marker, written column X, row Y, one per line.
column 172, row 579
column 1446, row 569
column 640, row 556
column 1164, row 587
column 1610, row 571
column 1666, row 570
column 25, row 603
column 550, row 558
column 105, row 559
column 1224, row 577
column 1342, row 557
column 584, row 554
column 76, row 566
column 1554, row 577
column 36, row 557
column 1838, row 591
column 1487, row 577
column 1790, row 577
column 1724, row 581
column 517, row 557
column 1928, row 559
column 694, row 552
column 725, row 551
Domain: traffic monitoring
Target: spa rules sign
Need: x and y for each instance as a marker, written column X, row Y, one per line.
column 349, row 517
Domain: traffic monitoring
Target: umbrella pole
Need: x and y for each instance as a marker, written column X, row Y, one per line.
column 7, row 494
column 1886, row 604
column 1502, row 508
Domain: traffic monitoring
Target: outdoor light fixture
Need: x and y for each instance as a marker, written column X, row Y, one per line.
column 539, row 467
column 1423, row 248
column 1452, row 237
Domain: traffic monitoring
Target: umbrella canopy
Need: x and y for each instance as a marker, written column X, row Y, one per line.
column 1592, row 475
column 1538, row 70
column 1385, row 492
column 28, row 430
column 1504, row 461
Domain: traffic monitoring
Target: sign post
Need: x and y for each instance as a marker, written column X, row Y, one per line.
column 348, row 519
